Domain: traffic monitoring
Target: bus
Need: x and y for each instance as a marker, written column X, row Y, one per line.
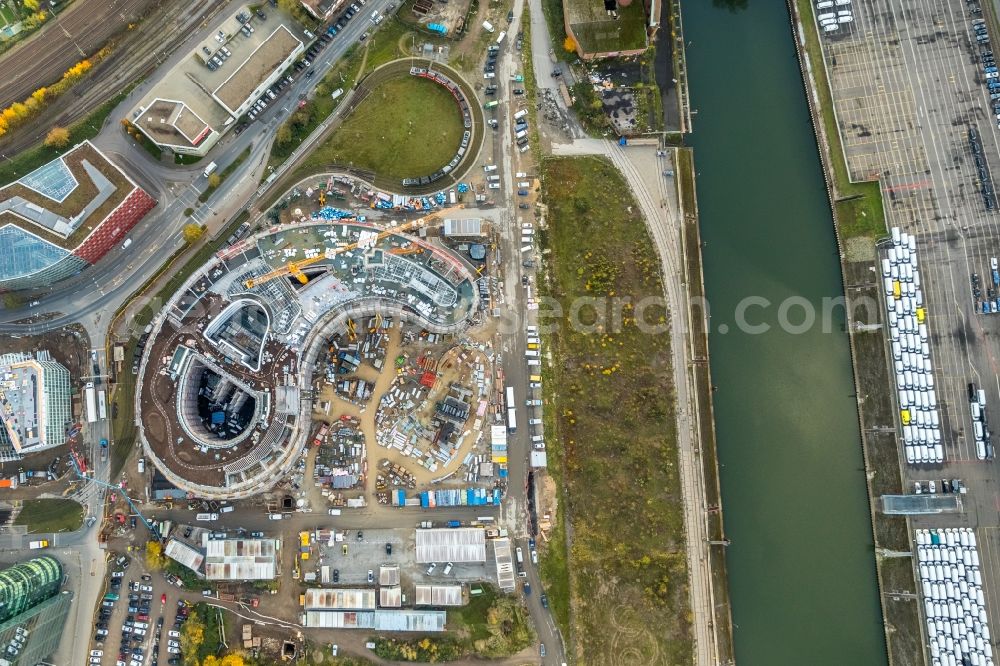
column 511, row 420
column 491, row 105
column 102, row 407
column 91, row 403
column 510, row 396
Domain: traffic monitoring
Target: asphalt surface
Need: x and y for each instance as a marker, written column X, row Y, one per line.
column 907, row 86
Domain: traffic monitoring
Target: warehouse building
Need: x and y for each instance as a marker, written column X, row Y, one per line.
column 505, row 564
column 388, row 575
column 319, row 599
column 379, row 620
column 468, row 228
column 198, row 100
column 390, row 597
column 463, row 544
column 241, row 559
column 35, row 407
column 185, row 554
column 439, row 595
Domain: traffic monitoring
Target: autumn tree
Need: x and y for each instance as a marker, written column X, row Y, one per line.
column 154, row 555
column 192, row 232
column 284, row 134
column 58, row 137
column 232, row 660
column 31, row 4
column 569, row 43
column 214, row 180
column 192, row 638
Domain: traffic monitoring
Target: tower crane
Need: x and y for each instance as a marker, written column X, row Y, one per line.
column 294, row 268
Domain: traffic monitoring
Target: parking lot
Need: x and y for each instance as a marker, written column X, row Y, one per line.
column 141, row 627
column 909, row 82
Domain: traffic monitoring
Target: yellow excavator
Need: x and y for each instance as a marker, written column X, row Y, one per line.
column 294, row 268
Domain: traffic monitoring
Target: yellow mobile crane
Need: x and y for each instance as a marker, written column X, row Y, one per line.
column 295, row 267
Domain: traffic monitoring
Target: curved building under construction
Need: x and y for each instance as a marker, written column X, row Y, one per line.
column 28, row 584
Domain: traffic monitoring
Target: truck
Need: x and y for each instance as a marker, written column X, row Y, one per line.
column 210, row 169
column 102, row 409
column 207, row 516
column 38, row 545
column 91, row 397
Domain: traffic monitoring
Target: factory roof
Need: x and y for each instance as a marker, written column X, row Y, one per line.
column 380, row 620
column 438, row 595
column 240, row 559
column 390, row 597
column 463, row 544
column 339, row 599
column 185, row 554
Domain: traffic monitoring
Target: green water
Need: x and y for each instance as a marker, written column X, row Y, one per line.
column 801, row 565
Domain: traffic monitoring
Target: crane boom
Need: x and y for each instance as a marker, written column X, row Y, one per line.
column 294, row 268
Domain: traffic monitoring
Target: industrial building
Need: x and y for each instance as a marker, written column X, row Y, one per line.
column 504, row 559
column 35, row 404
column 320, row 599
column 468, row 228
column 185, row 554
column 241, row 559
column 323, row 10
column 32, row 611
column 462, row 544
column 198, row 100
column 379, row 620
column 438, row 595
column 390, row 597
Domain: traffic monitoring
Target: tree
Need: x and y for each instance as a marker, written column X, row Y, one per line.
column 31, row 4
column 12, row 301
column 154, row 555
column 192, row 232
column 569, row 43
column 232, row 660
column 284, row 134
column 58, row 137
column 192, row 638
column 214, row 180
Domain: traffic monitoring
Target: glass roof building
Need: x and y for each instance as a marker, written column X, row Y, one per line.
column 28, row 584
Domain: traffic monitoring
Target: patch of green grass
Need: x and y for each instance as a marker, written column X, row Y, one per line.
column 7, row 15
column 186, row 159
column 406, row 127
column 597, row 33
column 493, row 626
column 859, row 206
column 554, row 19
column 42, row 516
column 87, row 128
column 614, row 413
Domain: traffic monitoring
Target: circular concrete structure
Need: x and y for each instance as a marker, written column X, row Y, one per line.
column 224, row 397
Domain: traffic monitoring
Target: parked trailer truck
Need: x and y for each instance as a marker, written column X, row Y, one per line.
column 38, row 545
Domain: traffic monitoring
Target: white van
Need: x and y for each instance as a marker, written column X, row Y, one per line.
column 490, row 167
column 128, row 241
column 531, row 353
column 531, row 330
column 142, row 465
column 517, row 116
column 212, row 166
column 521, row 135
column 493, row 179
column 826, row 4
column 524, row 183
column 533, row 362
column 488, row 27
column 520, row 174
column 826, row 16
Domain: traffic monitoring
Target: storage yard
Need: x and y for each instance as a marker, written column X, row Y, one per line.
column 934, row 157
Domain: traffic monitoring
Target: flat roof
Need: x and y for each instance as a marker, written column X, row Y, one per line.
column 381, row 620
column 339, row 599
column 173, row 122
column 390, row 597
column 923, row 504
column 240, row 559
column 263, row 60
column 388, row 575
column 461, row 544
column 504, row 563
column 184, row 553
column 438, row 595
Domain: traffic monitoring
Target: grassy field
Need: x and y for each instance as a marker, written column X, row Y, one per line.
column 858, row 205
column 405, row 127
column 50, row 515
column 597, row 33
column 614, row 412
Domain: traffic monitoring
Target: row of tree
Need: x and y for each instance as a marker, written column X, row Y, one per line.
column 18, row 112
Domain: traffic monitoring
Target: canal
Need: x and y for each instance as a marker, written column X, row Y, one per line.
column 801, row 564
